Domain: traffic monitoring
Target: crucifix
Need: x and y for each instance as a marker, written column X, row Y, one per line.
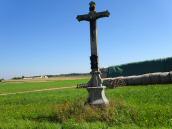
column 95, row 88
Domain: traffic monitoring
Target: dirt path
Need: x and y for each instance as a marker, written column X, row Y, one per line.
column 50, row 89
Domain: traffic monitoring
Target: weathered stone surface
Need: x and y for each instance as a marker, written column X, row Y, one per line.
column 97, row 96
column 95, row 88
column 95, row 80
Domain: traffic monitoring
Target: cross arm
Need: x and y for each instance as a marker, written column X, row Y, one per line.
column 102, row 14
column 84, row 17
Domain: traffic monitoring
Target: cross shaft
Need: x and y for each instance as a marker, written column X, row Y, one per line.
column 92, row 17
column 95, row 88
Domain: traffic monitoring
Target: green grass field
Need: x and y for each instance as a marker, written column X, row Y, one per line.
column 138, row 107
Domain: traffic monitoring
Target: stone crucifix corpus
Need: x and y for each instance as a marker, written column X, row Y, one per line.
column 95, row 88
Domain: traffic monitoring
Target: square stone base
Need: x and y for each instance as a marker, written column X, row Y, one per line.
column 97, row 96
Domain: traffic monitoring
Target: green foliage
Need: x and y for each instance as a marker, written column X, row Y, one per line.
column 117, row 113
column 17, row 78
column 138, row 68
column 1, row 79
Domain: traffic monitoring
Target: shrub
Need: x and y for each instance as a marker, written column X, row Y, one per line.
column 16, row 78
column 1, row 80
column 114, row 113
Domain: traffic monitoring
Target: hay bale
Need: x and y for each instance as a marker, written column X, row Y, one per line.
column 111, row 83
column 130, row 80
column 114, row 82
column 140, row 80
column 117, row 82
column 165, row 77
column 170, row 73
column 127, row 80
column 137, row 80
column 146, row 79
column 155, row 78
column 107, row 82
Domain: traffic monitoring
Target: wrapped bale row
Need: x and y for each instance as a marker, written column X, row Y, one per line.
column 166, row 77
column 152, row 78
column 145, row 79
column 138, row 80
column 114, row 82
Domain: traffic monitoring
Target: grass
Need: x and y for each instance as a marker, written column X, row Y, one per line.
column 9, row 87
column 132, row 107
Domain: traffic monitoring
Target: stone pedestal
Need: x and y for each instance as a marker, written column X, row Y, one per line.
column 97, row 96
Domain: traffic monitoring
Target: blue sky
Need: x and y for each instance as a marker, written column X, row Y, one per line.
column 43, row 37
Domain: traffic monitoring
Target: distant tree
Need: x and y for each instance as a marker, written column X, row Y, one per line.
column 1, row 79
column 16, row 78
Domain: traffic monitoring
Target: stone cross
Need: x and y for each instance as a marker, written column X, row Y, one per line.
column 95, row 88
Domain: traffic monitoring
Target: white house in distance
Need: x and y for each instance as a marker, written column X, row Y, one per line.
column 44, row 77
column 38, row 77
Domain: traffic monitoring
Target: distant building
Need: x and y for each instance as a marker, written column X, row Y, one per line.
column 44, row 77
